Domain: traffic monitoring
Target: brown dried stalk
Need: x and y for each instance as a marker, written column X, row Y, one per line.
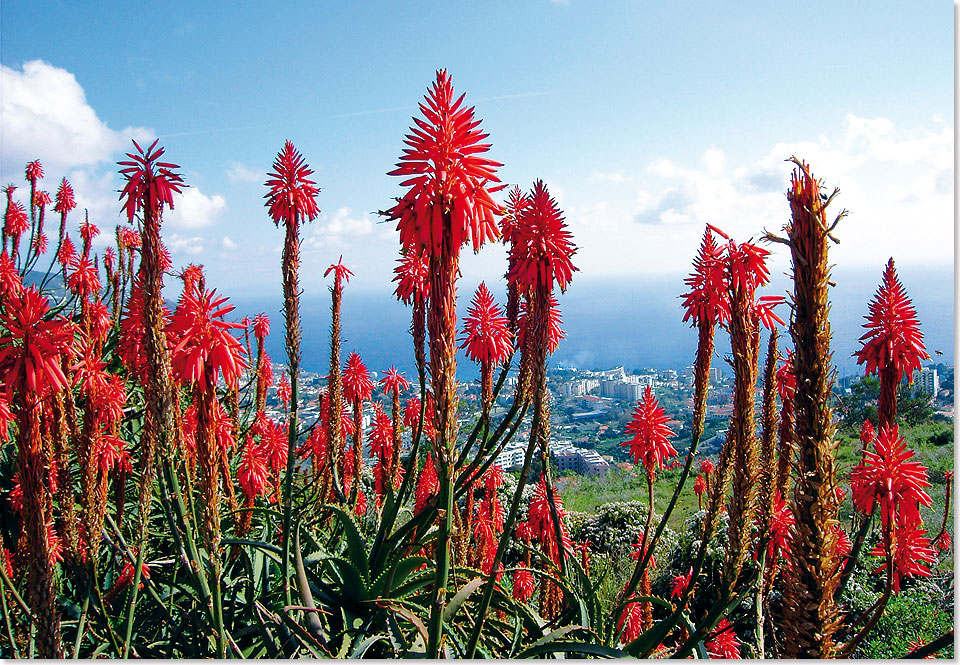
column 810, row 612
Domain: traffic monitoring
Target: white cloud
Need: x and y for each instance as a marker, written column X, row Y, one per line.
column 46, row 116
column 338, row 230
column 238, row 172
column 194, row 210
column 227, row 243
column 182, row 244
column 897, row 185
column 614, row 177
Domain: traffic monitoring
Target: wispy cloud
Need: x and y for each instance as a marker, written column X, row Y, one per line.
column 238, row 172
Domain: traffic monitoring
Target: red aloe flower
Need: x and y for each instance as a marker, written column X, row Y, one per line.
column 273, row 442
column 65, row 199
column 261, row 327
column 427, row 485
column 292, row 195
column 631, row 621
column 523, row 586
column 542, row 244
column 34, row 172
column 252, row 471
column 707, row 300
column 284, row 391
column 41, row 200
column 700, row 486
column 724, row 644
column 341, row 273
column 706, row 467
column 911, row 550
column 381, row 432
column 67, row 252
column 541, row 521
column 639, row 549
column 150, row 183
column 6, row 417
column 10, row 280
column 32, row 348
column 680, row 584
column 109, row 259
column 15, row 497
column 445, row 174
column 84, row 281
column 15, row 220
column 129, row 238
column 746, row 266
column 843, row 542
column 486, row 337
column 132, row 342
column 867, row 433
column 412, row 276
column 781, row 529
column 886, row 476
column 893, row 336
column 357, row 386
column 361, row 508
column 88, row 232
column 651, row 436
column 394, row 382
column 411, row 415
column 944, row 542
column 206, row 348
column 554, row 332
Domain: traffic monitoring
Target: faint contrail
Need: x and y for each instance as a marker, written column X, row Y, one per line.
column 354, row 114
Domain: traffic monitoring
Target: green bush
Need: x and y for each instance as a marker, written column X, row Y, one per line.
column 916, row 615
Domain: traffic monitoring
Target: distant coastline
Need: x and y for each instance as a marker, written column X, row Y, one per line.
column 608, row 322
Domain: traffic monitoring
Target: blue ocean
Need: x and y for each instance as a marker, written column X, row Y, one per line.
column 608, row 322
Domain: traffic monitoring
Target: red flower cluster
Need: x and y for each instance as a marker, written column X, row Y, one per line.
column 887, row 477
column 394, row 382
column 541, row 245
column 292, row 195
column 724, row 644
column 446, row 175
column 150, row 184
column 252, row 471
column 206, row 348
column 33, row 346
column 412, row 277
column 911, row 550
column 893, row 334
column 357, row 386
column 65, row 199
column 707, row 300
column 486, row 337
column 651, row 436
column 554, row 332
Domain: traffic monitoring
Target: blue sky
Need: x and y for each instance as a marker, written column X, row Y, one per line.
column 646, row 120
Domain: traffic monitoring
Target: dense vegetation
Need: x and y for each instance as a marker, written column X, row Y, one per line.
column 152, row 508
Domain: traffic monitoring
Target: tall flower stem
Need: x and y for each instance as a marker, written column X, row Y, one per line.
column 810, row 609
column 37, row 509
column 291, row 311
column 442, row 322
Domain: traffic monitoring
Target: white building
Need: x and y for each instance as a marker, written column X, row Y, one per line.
column 926, row 381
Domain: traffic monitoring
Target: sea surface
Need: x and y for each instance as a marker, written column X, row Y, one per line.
column 608, row 322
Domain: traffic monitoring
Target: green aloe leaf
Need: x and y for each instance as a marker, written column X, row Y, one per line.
column 460, row 598
column 356, row 546
column 587, row 648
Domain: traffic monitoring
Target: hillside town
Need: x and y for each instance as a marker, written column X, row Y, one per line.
column 590, row 409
